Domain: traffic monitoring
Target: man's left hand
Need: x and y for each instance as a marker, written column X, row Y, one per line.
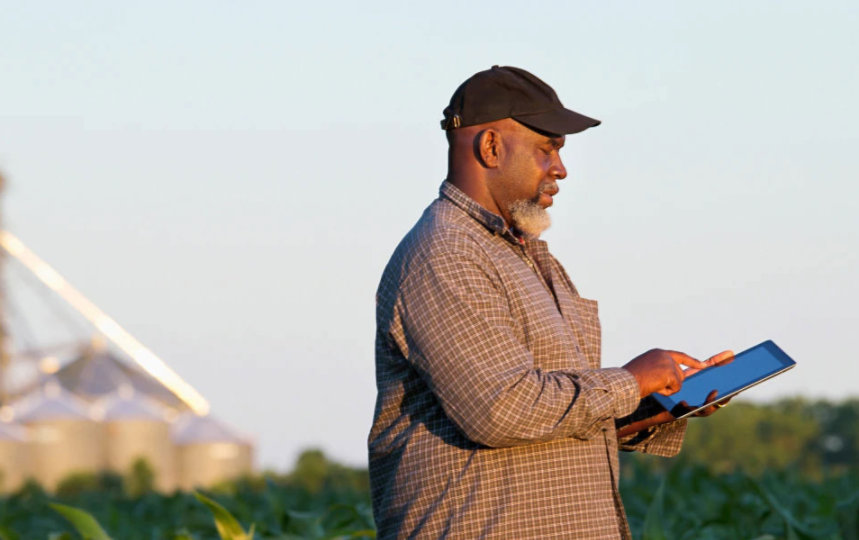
column 707, row 411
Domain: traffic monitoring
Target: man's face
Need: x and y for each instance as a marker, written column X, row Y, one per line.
column 528, row 170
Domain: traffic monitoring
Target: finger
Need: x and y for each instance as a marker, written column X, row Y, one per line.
column 707, row 411
column 723, row 357
column 710, row 409
column 686, row 360
column 690, row 371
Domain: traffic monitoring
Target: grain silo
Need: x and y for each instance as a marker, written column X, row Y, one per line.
column 97, row 373
column 64, row 436
column 209, row 452
column 137, row 427
column 14, row 458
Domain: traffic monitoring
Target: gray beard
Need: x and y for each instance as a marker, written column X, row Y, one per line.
column 529, row 217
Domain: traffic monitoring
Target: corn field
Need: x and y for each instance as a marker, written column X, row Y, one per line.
column 683, row 502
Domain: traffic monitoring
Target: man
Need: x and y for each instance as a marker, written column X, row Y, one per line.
column 494, row 417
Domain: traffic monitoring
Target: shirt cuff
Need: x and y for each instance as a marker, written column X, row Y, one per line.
column 663, row 440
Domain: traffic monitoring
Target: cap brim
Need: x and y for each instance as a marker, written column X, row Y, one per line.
column 557, row 122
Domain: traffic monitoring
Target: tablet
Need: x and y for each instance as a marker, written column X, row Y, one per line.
column 748, row 368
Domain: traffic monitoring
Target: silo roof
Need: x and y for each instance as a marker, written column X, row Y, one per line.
column 52, row 405
column 136, row 407
column 98, row 373
column 204, row 429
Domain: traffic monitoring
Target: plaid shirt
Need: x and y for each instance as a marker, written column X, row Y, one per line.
column 493, row 416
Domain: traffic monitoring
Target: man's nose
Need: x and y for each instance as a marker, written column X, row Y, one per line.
column 558, row 170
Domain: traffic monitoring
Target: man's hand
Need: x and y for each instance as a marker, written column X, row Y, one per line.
column 659, row 371
column 647, row 369
column 707, row 411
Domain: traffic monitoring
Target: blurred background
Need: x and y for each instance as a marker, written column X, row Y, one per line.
column 227, row 180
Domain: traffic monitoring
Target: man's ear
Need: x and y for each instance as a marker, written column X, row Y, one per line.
column 487, row 147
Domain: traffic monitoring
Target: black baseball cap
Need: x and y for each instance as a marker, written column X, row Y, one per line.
column 509, row 92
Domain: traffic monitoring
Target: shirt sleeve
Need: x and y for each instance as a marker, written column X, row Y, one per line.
column 663, row 440
column 460, row 336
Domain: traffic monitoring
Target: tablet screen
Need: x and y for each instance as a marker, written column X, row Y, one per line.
column 747, row 369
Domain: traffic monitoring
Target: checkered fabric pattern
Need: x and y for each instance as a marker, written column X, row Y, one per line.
column 493, row 417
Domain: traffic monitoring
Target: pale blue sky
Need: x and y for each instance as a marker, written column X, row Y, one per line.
column 228, row 179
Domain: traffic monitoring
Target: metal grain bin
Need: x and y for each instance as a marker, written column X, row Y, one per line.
column 136, row 427
column 97, row 373
column 64, row 436
column 14, row 458
column 209, row 452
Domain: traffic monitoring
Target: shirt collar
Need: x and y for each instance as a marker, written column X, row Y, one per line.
column 491, row 221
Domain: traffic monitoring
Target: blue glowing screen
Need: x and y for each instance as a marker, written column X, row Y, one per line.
column 747, row 369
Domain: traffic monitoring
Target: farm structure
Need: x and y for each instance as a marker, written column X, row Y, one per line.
column 52, row 432
column 102, row 403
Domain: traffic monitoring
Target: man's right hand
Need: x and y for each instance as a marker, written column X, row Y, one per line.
column 659, row 371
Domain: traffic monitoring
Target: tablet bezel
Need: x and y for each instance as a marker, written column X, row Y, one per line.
column 671, row 404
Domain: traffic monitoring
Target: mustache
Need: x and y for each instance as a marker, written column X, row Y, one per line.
column 548, row 186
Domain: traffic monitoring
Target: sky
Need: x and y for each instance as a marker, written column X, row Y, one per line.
column 227, row 180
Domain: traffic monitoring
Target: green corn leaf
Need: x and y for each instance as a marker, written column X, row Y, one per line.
column 794, row 530
column 341, row 534
column 653, row 520
column 305, row 524
column 366, row 533
column 82, row 521
column 848, row 510
column 339, row 516
column 7, row 534
column 227, row 525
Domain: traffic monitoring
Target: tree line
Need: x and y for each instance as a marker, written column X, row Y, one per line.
column 815, row 437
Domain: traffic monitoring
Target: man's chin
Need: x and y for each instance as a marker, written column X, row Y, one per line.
column 530, row 217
